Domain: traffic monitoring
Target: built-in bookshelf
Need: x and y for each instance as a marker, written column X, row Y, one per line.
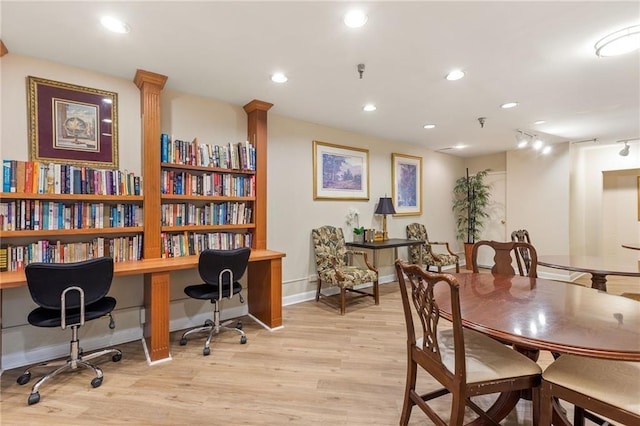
column 67, row 213
column 207, row 196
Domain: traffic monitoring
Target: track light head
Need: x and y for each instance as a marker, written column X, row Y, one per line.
column 624, row 151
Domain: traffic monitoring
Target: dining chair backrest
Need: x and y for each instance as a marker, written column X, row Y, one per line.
column 503, row 259
column 522, row 235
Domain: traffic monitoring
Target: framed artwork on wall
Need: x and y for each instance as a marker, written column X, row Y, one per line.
column 340, row 172
column 72, row 124
column 406, row 189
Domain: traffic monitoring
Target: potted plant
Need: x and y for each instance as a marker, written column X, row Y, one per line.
column 358, row 231
column 471, row 199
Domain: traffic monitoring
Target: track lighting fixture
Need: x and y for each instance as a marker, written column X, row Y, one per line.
column 624, row 151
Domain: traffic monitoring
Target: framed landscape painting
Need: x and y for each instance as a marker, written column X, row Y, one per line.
column 407, row 184
column 72, row 124
column 340, row 172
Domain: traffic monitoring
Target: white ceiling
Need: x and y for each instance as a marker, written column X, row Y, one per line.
column 539, row 54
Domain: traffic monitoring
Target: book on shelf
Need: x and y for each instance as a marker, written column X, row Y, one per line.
column 6, row 175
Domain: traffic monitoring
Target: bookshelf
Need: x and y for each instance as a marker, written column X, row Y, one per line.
column 55, row 227
column 207, row 196
column 264, row 271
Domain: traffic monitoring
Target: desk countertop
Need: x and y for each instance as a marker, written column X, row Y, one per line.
column 17, row 278
column 390, row 243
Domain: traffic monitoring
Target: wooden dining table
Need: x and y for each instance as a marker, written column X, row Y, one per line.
column 599, row 267
column 535, row 314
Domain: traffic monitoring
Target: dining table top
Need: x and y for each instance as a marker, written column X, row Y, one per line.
column 602, row 265
column 542, row 314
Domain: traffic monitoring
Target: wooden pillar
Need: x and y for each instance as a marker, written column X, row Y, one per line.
column 150, row 85
column 157, row 284
column 257, row 134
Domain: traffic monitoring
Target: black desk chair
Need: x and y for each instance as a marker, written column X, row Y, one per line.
column 220, row 270
column 68, row 294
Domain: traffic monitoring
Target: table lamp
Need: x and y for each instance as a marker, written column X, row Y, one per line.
column 385, row 207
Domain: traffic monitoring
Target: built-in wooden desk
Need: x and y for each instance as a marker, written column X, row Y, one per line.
column 264, row 292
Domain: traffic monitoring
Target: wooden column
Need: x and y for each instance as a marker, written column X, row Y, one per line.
column 156, row 284
column 150, row 85
column 257, row 134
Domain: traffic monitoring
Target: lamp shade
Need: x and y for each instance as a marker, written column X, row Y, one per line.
column 385, row 206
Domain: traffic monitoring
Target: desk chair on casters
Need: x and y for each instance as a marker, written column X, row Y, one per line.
column 220, row 270
column 68, row 294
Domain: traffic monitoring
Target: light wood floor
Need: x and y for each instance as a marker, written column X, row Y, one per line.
column 321, row 369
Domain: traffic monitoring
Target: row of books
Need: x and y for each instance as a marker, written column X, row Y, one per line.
column 239, row 156
column 36, row 177
column 121, row 249
column 220, row 184
column 179, row 214
column 34, row 215
column 191, row 243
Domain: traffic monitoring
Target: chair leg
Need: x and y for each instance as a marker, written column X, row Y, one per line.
column 409, row 388
column 578, row 416
column 546, row 405
column 376, row 292
column 212, row 328
column 457, row 266
column 343, row 300
column 318, row 290
column 458, row 405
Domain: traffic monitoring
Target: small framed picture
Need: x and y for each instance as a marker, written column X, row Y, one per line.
column 340, row 172
column 72, row 124
column 407, row 184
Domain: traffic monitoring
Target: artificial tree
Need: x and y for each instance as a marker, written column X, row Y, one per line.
column 471, row 199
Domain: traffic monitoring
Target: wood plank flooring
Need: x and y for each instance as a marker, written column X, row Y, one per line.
column 321, row 369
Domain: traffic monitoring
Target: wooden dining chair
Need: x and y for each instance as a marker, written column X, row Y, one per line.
column 522, row 235
column 608, row 388
column 505, row 254
column 465, row 362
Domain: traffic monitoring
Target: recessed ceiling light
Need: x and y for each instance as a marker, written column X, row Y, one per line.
column 455, row 75
column 429, row 126
column 369, row 107
column 509, row 105
column 355, row 19
column 539, row 122
column 279, row 78
column 620, row 42
column 115, row 25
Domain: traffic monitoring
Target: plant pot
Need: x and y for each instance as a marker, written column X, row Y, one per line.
column 358, row 238
column 468, row 247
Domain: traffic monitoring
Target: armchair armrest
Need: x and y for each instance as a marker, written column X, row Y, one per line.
column 364, row 256
column 441, row 243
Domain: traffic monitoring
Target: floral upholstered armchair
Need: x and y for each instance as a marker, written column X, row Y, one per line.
column 334, row 266
column 417, row 231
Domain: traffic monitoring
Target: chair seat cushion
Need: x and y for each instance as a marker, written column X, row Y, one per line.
column 486, row 358
column 442, row 260
column 614, row 382
column 210, row 292
column 41, row 317
column 353, row 275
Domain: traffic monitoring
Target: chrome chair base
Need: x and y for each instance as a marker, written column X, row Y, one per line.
column 76, row 359
column 214, row 327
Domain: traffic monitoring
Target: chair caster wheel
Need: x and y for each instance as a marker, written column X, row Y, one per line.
column 239, row 325
column 183, row 341
column 116, row 357
column 33, row 398
column 96, row 382
column 243, row 340
column 206, row 351
column 208, row 323
column 24, row 378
